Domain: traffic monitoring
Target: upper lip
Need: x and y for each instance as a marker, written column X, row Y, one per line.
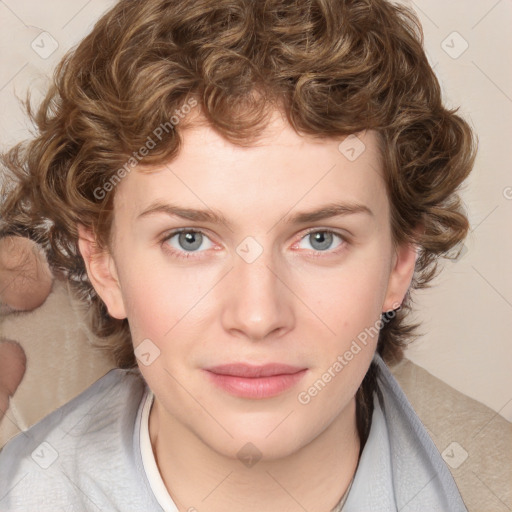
column 248, row 370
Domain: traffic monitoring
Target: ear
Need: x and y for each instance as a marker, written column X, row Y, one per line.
column 404, row 261
column 102, row 272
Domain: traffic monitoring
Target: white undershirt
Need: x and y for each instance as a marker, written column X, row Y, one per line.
column 148, row 460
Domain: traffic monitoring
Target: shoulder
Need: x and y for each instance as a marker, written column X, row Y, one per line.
column 422, row 479
column 84, row 437
column 96, row 407
column 456, row 423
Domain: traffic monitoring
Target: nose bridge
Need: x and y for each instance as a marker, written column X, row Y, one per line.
column 257, row 301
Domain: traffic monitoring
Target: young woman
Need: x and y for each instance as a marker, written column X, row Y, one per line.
column 246, row 193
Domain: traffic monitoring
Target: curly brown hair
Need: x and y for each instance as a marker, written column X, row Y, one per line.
column 334, row 67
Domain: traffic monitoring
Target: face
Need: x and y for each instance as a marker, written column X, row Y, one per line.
column 269, row 284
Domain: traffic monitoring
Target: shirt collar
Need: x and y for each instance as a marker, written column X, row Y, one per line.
column 400, row 467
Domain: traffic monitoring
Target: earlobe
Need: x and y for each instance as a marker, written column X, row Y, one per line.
column 102, row 272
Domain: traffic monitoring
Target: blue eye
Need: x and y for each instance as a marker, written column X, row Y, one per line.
column 188, row 241
column 322, row 239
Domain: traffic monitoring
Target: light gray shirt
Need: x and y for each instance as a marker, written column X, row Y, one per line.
column 92, row 454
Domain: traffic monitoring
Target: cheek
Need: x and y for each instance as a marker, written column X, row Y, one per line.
column 351, row 307
column 349, row 299
column 160, row 297
column 147, row 295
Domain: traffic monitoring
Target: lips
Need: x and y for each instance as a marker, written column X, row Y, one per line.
column 256, row 382
column 251, row 371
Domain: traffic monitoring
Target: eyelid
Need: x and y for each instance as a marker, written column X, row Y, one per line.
column 167, row 236
column 331, row 252
column 175, row 252
column 325, row 230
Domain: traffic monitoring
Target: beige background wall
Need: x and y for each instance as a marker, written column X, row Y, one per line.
column 467, row 315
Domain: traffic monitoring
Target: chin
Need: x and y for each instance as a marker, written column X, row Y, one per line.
column 269, row 440
column 251, row 449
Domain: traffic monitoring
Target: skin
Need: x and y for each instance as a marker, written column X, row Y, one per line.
column 25, row 283
column 25, row 277
column 12, row 368
column 286, row 306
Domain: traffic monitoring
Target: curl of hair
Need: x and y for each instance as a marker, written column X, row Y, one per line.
column 334, row 67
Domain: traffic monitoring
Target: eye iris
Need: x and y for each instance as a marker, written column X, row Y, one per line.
column 190, row 237
column 323, row 237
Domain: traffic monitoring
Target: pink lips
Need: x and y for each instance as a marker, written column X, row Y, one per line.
column 248, row 381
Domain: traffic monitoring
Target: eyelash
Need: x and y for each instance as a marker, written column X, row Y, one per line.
column 184, row 255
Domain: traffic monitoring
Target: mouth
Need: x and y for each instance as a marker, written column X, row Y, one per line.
column 256, row 382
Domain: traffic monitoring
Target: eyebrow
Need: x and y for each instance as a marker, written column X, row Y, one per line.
column 209, row 215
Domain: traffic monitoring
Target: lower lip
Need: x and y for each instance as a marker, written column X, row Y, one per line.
column 258, row 387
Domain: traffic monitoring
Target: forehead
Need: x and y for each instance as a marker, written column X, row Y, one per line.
column 280, row 172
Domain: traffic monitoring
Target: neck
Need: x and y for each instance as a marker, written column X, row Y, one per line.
column 313, row 478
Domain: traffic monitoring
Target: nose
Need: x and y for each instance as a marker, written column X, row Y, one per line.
column 257, row 304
